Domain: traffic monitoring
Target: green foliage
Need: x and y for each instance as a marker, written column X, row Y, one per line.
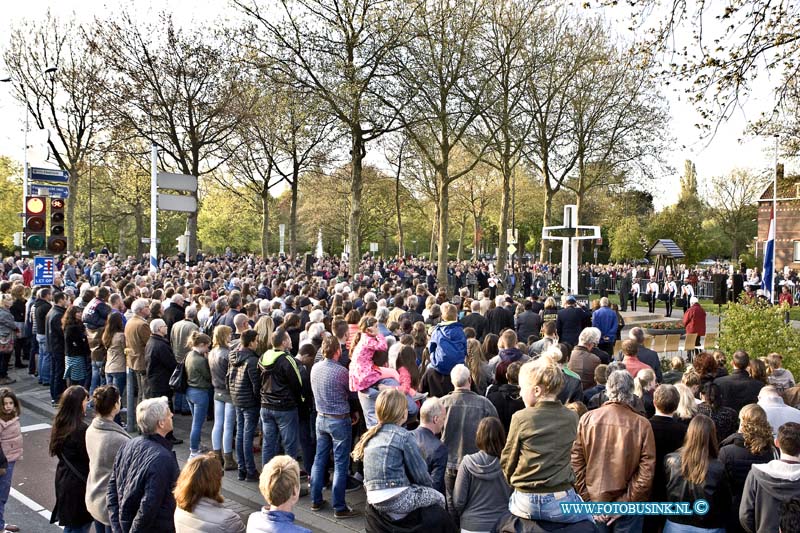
column 624, row 239
column 10, row 202
column 760, row 330
column 225, row 219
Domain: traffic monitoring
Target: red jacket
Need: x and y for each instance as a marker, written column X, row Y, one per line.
column 695, row 320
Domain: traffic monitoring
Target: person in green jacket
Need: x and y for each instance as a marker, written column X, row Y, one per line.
column 536, row 458
column 198, row 392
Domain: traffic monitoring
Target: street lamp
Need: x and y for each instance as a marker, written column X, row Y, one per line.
column 50, row 69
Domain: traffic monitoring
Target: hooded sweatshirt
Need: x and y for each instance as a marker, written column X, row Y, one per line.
column 767, row 487
column 448, row 346
column 481, row 492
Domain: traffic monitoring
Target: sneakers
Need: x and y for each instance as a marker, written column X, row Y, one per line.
column 347, row 512
column 12, row 528
column 353, row 484
column 318, row 506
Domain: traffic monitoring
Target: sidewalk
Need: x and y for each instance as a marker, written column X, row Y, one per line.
column 241, row 497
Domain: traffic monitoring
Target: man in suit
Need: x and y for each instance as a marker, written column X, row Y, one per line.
column 738, row 388
column 475, row 320
column 571, row 321
column 624, row 289
column 528, row 323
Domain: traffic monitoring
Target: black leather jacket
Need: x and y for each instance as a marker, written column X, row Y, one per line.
column 716, row 491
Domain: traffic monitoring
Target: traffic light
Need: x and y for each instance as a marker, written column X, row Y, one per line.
column 57, row 242
column 34, row 230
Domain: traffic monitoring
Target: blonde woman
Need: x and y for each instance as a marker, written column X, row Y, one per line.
column 396, row 477
column 264, row 328
column 224, row 410
column 687, row 406
column 199, row 502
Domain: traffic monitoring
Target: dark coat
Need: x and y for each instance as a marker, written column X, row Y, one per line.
column 528, row 324
column 570, row 322
column 738, row 389
column 507, row 400
column 40, row 309
column 55, row 333
column 716, row 491
column 70, row 508
column 433, row 519
column 173, row 314
column 477, row 322
column 498, row 319
column 738, row 460
column 160, row 365
column 75, row 342
column 140, row 487
column 650, row 358
column 669, row 434
column 244, row 378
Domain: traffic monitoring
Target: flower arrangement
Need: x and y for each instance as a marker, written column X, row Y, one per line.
column 662, row 325
column 554, row 288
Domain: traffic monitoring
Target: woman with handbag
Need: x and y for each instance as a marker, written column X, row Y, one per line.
column 8, row 332
column 68, row 443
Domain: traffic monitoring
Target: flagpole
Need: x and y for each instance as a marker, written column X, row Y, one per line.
column 774, row 221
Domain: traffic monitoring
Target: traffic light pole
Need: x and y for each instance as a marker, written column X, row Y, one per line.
column 24, row 178
column 154, row 209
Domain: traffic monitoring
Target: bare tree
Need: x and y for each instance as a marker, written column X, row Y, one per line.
column 177, row 88
column 733, row 200
column 64, row 102
column 447, row 75
column 337, row 50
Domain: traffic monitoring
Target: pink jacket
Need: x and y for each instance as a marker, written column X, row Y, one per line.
column 362, row 372
column 11, row 439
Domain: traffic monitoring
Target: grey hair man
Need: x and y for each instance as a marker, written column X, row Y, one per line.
column 465, row 409
column 614, row 453
column 431, row 423
column 582, row 361
column 145, row 471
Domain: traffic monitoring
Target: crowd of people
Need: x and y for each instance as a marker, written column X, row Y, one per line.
column 470, row 410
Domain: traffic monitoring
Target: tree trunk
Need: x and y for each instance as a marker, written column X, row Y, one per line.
column 191, row 228
column 265, row 223
column 357, row 152
column 444, row 204
column 460, row 252
column 505, row 200
column 138, row 218
column 400, row 243
column 434, row 231
column 123, row 230
column 578, row 206
column 71, row 202
column 477, row 239
column 548, row 208
column 293, row 215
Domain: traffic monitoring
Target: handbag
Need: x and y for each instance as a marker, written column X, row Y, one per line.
column 72, row 468
column 7, row 343
column 178, row 381
column 680, row 301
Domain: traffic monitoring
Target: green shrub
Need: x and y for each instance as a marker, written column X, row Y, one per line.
column 759, row 329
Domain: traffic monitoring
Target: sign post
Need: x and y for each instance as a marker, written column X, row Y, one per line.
column 282, row 231
column 43, row 270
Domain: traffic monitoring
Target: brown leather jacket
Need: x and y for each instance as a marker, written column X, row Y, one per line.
column 137, row 333
column 614, row 455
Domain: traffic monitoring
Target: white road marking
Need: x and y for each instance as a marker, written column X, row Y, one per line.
column 34, row 427
column 30, row 504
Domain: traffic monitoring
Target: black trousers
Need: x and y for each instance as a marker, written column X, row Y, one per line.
column 623, row 301
column 668, row 303
column 634, row 299
column 651, row 303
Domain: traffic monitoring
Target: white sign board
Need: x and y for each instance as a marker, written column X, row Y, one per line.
column 177, row 182
column 282, row 231
column 511, row 249
column 174, row 202
column 511, row 236
column 373, row 247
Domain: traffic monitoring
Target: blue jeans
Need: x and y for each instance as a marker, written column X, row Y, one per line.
column 278, row 427
column 181, row 403
column 336, row 434
column 246, row 420
column 224, row 421
column 308, row 440
column 44, row 360
column 98, row 376
column 5, row 489
column 57, row 383
column 119, row 380
column 545, row 507
column 100, row 527
column 623, row 524
column 198, row 405
column 78, row 529
column 674, row 527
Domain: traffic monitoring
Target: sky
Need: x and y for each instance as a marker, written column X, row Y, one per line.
column 729, row 148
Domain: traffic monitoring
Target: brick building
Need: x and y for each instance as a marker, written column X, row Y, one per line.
column 787, row 230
